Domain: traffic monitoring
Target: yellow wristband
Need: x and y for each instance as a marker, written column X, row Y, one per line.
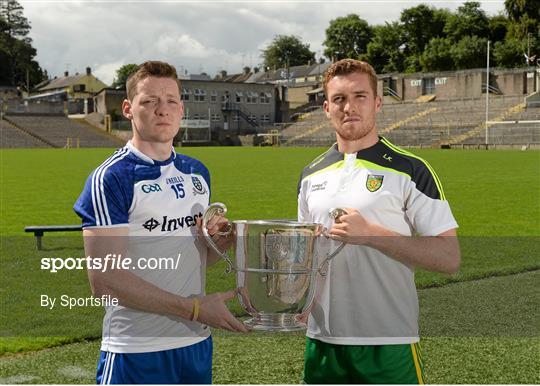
column 196, row 309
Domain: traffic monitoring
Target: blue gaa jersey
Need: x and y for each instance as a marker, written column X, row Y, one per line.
column 159, row 201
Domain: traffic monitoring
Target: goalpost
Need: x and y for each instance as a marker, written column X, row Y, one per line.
column 524, row 132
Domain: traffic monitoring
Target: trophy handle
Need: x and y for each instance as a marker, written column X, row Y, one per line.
column 335, row 214
column 219, row 209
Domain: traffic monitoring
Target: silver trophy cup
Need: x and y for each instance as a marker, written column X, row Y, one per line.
column 276, row 266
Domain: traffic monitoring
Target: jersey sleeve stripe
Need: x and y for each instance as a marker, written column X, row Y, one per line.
column 335, row 165
column 98, row 193
column 433, row 174
column 97, row 214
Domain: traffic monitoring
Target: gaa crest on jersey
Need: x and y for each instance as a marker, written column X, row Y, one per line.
column 374, row 182
column 198, row 187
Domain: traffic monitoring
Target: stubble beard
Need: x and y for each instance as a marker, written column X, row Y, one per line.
column 355, row 133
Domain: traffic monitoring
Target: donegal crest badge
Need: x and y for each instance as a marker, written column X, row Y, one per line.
column 374, row 182
column 198, row 187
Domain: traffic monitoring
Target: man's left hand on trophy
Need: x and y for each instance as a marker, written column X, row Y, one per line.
column 219, row 229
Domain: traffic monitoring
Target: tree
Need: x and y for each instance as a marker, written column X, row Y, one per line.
column 470, row 52
column 438, row 55
column 420, row 24
column 498, row 27
column 524, row 26
column 385, row 50
column 122, row 74
column 16, row 25
column 470, row 20
column 16, row 52
column 286, row 51
column 347, row 37
column 509, row 53
column 516, row 9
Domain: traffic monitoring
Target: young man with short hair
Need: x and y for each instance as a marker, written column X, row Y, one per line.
column 143, row 204
column 363, row 326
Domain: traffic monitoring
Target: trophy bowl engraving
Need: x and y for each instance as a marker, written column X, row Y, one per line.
column 276, row 266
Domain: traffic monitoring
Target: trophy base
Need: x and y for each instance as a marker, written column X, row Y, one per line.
column 274, row 322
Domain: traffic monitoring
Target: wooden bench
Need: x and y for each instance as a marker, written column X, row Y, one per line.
column 39, row 230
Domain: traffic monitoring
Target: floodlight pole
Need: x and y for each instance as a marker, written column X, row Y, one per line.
column 487, row 95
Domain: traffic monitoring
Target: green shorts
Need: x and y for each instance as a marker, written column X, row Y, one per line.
column 389, row 364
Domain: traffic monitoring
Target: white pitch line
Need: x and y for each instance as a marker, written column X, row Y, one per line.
column 18, row 379
column 75, row 372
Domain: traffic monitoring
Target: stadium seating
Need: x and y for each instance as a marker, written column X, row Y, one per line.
column 432, row 124
column 60, row 131
column 12, row 137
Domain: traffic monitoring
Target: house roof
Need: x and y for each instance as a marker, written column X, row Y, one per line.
column 317, row 68
column 236, row 78
column 295, row 72
column 64, row 82
column 47, row 94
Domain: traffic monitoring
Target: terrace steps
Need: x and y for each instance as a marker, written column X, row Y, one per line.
column 482, row 126
column 12, row 136
column 60, row 131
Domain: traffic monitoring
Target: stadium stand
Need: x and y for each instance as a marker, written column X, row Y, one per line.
column 60, row 131
column 433, row 124
column 13, row 137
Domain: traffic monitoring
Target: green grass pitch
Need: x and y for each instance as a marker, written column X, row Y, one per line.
column 495, row 197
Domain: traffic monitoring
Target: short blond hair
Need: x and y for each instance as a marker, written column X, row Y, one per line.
column 150, row 68
column 350, row 66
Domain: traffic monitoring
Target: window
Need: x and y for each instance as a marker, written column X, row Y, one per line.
column 199, row 95
column 265, row 97
column 239, row 96
column 213, row 96
column 186, row 114
column 265, row 118
column 185, row 94
column 235, row 117
column 199, row 116
column 79, row 87
column 216, row 117
column 251, row 97
column 252, row 118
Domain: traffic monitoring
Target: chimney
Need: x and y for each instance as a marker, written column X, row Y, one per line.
column 223, row 73
column 66, row 73
column 88, row 71
column 255, row 70
column 246, row 70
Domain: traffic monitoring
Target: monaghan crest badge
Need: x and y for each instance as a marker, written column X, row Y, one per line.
column 198, row 187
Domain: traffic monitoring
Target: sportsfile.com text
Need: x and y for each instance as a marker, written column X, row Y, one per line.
column 110, row 261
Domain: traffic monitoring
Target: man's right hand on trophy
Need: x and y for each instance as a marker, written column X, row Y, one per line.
column 303, row 317
column 214, row 312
